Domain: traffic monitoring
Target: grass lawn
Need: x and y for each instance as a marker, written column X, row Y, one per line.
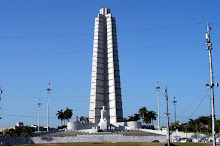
column 120, row 144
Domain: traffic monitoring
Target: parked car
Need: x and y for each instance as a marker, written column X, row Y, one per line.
column 155, row 141
column 183, row 140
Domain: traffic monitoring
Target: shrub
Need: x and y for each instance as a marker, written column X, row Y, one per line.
column 99, row 130
column 62, row 127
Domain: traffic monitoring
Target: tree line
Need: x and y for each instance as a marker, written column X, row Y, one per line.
column 19, row 131
column 143, row 113
column 67, row 114
column 83, row 119
column 202, row 124
column 146, row 116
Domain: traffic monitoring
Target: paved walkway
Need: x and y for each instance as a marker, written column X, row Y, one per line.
column 125, row 133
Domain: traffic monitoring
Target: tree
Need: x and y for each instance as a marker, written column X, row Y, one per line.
column 197, row 129
column 143, row 113
column 125, row 120
column 147, row 116
column 130, row 118
column 87, row 119
column 175, row 125
column 6, row 132
column 173, row 128
column 186, row 127
column 152, row 115
column 68, row 113
column 60, row 115
column 11, row 132
column 135, row 117
column 147, row 119
column 27, row 130
column 82, row 118
column 17, row 131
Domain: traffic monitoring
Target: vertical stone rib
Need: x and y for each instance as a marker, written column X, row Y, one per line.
column 115, row 103
column 97, row 96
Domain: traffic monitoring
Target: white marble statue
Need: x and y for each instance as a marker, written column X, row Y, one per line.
column 103, row 113
column 103, row 120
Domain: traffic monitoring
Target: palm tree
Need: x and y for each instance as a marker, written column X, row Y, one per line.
column 147, row 116
column 143, row 113
column 60, row 115
column 87, row 119
column 68, row 113
column 152, row 115
column 130, row 118
column 146, row 119
column 136, row 117
column 82, row 118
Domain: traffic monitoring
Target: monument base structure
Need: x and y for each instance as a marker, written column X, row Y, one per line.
column 93, row 127
column 103, row 125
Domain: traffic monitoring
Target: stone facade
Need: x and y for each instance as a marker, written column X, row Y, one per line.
column 105, row 82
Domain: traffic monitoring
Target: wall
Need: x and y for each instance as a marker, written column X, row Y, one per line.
column 87, row 138
column 193, row 136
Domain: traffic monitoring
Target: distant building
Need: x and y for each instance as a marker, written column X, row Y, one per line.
column 19, row 124
column 8, row 127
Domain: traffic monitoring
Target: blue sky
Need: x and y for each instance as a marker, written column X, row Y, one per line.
column 45, row 41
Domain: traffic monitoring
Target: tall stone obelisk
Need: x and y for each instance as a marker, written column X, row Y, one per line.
column 105, row 82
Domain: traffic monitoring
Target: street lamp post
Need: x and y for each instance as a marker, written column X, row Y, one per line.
column 39, row 116
column 174, row 102
column 0, row 94
column 0, row 99
column 48, row 91
column 167, row 113
column 158, row 88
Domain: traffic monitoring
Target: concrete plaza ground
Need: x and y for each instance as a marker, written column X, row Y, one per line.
column 119, row 144
column 74, row 138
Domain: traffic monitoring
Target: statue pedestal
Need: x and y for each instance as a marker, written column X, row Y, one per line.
column 103, row 124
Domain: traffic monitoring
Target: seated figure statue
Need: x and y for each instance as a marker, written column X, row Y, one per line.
column 103, row 121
